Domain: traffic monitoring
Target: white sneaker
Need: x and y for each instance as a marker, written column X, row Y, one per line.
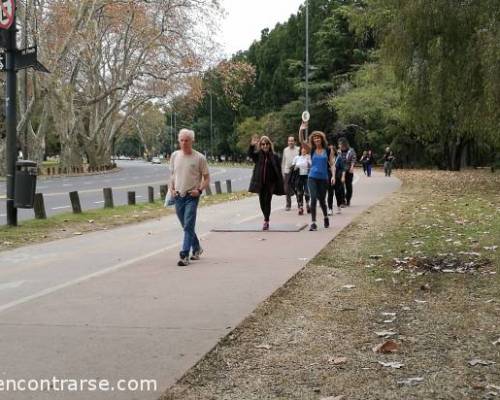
column 339, row 210
column 330, row 211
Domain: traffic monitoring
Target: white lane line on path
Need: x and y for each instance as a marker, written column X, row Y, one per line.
column 60, row 208
column 96, row 274
column 11, row 285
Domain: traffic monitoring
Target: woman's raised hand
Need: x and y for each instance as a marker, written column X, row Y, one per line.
column 255, row 140
column 303, row 126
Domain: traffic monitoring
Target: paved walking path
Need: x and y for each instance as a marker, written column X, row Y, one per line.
column 114, row 305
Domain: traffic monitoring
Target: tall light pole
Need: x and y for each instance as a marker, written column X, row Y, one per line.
column 211, row 127
column 307, row 60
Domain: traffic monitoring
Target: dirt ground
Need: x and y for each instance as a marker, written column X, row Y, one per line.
column 418, row 274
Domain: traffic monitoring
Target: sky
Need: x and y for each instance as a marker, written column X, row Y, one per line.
column 245, row 19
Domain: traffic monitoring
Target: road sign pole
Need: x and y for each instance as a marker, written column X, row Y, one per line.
column 11, row 122
column 307, row 62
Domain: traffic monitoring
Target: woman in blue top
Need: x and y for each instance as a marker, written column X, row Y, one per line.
column 321, row 161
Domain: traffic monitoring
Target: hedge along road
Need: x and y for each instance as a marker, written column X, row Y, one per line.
column 132, row 176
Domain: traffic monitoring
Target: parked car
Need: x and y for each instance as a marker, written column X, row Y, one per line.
column 156, row 160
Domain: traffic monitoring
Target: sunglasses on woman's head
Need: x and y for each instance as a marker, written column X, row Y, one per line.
column 265, row 144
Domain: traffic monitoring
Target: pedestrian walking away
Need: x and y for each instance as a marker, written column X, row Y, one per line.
column 349, row 157
column 321, row 161
column 302, row 163
column 189, row 178
column 267, row 178
column 289, row 154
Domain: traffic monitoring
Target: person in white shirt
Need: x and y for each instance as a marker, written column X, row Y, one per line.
column 289, row 153
column 303, row 164
column 189, row 178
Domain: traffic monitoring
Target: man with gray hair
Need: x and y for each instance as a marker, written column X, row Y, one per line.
column 189, row 177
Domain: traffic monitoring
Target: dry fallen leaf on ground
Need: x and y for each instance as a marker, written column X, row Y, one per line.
column 389, row 346
column 496, row 342
column 338, row 360
column 393, row 364
column 411, row 381
column 477, row 361
column 348, row 286
column 333, row 398
column 263, row 346
column 385, row 333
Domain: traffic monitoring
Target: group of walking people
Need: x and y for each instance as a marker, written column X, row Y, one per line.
column 315, row 172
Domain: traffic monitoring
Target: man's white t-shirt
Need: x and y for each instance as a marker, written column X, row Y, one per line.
column 187, row 170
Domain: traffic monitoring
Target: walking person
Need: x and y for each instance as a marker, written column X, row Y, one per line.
column 321, row 161
column 189, row 178
column 369, row 164
column 364, row 162
column 349, row 157
column 331, row 186
column 289, row 154
column 303, row 164
column 339, row 179
column 388, row 161
column 267, row 178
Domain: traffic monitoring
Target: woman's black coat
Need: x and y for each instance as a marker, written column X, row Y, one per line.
column 255, row 183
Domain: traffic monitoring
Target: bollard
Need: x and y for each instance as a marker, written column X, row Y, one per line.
column 39, row 206
column 75, row 202
column 229, row 186
column 218, row 187
column 151, row 194
column 209, row 190
column 59, row 171
column 131, row 198
column 163, row 191
column 108, row 198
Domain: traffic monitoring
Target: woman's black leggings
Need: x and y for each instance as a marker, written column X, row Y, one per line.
column 339, row 191
column 265, row 197
column 317, row 191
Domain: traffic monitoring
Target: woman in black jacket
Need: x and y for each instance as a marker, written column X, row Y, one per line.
column 267, row 178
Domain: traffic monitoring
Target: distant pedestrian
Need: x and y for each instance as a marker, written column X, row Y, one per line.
column 189, row 178
column 339, row 182
column 331, row 185
column 303, row 164
column 388, row 161
column 321, row 162
column 369, row 164
column 267, row 178
column 349, row 157
column 289, row 154
column 364, row 162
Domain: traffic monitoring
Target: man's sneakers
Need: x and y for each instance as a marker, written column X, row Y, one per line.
column 196, row 255
column 301, row 211
column 183, row 262
column 288, row 208
column 265, row 226
column 313, row 227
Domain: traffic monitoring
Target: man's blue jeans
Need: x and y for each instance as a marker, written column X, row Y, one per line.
column 186, row 208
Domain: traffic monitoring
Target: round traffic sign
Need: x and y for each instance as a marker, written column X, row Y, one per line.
column 306, row 116
column 7, row 10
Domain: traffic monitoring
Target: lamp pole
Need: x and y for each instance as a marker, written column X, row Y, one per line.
column 307, row 61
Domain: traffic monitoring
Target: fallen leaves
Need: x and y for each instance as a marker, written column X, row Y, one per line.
column 411, row 381
column 389, row 346
column 385, row 333
column 392, row 364
column 477, row 361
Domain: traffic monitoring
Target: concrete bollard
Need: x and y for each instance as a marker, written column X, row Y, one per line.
column 39, row 206
column 108, row 198
column 75, row 202
column 229, row 186
column 163, row 191
column 151, row 194
column 218, row 187
column 131, row 198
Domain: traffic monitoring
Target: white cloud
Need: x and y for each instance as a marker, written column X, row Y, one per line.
column 246, row 19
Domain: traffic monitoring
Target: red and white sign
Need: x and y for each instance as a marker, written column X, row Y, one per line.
column 7, row 10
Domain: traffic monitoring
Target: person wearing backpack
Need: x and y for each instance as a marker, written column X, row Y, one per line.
column 321, row 162
column 349, row 157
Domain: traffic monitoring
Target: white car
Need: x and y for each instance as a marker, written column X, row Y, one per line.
column 156, row 160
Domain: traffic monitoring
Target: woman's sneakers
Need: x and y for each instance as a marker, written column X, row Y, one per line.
column 327, row 222
column 301, row 210
column 265, row 227
column 313, row 227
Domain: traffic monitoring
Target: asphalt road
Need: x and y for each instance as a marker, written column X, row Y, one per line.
column 133, row 176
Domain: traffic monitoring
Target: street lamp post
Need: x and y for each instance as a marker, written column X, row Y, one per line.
column 307, row 61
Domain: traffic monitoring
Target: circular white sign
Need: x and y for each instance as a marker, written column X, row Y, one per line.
column 306, row 116
column 7, row 10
